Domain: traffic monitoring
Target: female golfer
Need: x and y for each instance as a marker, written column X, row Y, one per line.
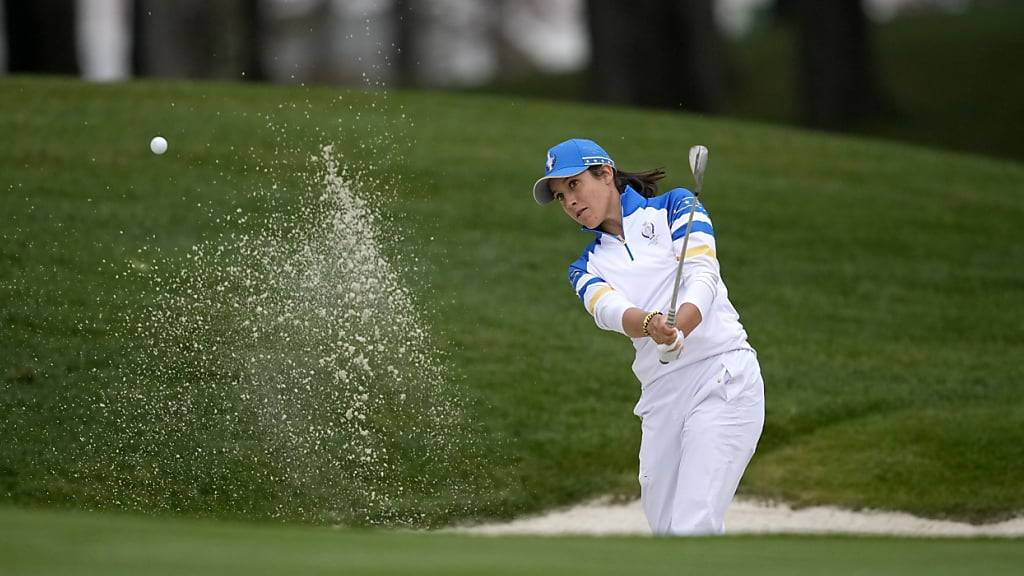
column 701, row 413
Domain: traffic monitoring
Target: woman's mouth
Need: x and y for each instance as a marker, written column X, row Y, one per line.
column 579, row 212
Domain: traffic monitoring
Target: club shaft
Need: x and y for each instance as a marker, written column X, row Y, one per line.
column 671, row 317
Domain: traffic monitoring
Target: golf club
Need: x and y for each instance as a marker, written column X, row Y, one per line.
column 698, row 163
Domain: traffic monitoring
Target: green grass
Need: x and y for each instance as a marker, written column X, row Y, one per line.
column 880, row 284
column 41, row 543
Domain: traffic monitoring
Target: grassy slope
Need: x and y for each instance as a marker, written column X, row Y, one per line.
column 878, row 282
column 58, row 543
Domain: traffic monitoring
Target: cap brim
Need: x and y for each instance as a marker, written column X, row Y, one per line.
column 542, row 192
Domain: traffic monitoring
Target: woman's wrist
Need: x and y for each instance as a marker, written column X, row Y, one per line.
column 647, row 322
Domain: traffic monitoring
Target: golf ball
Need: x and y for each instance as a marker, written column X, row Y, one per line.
column 158, row 145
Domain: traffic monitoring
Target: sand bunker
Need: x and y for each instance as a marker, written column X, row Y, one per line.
column 747, row 516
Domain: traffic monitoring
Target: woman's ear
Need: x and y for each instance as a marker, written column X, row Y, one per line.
column 608, row 174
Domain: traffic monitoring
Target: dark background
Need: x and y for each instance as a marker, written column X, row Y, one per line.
column 943, row 73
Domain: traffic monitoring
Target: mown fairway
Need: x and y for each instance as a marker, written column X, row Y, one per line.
column 43, row 543
column 881, row 284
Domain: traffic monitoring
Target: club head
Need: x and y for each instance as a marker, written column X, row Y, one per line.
column 698, row 163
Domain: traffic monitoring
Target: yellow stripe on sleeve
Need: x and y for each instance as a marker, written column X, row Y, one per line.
column 597, row 296
column 700, row 250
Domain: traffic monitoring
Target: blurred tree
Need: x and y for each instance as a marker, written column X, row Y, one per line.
column 172, row 40
column 254, row 33
column 511, row 62
column 655, row 53
column 41, row 36
column 838, row 81
column 198, row 39
column 324, row 19
column 403, row 14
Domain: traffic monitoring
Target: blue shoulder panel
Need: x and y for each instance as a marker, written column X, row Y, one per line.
column 579, row 266
column 631, row 201
column 678, row 202
column 661, row 201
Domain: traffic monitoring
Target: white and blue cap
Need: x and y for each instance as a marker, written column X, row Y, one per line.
column 568, row 158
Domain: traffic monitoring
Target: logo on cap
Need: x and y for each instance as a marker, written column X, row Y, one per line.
column 550, row 164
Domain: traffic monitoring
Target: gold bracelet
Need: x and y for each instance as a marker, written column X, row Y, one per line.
column 647, row 320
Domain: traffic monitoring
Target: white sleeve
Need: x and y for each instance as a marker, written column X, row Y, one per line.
column 602, row 301
column 700, row 269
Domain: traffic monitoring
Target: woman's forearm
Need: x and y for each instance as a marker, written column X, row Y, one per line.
column 633, row 322
column 687, row 318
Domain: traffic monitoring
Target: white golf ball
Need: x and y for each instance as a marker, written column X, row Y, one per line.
column 158, row 145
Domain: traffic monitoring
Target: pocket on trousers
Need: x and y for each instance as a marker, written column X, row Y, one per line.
column 726, row 384
column 742, row 378
column 731, row 379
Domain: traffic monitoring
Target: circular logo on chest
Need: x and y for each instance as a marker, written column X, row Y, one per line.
column 648, row 230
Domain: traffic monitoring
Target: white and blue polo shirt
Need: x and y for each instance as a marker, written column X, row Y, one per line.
column 638, row 270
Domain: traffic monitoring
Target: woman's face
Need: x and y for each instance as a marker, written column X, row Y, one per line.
column 588, row 199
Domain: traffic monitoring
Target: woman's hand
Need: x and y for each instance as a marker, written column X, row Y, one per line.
column 660, row 331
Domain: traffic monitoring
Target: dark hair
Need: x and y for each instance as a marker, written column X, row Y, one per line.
column 645, row 183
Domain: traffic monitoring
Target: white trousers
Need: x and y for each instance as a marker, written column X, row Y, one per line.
column 700, row 426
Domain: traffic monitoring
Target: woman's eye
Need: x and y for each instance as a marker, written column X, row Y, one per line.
column 572, row 185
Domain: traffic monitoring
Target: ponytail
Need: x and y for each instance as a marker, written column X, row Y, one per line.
column 645, row 183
